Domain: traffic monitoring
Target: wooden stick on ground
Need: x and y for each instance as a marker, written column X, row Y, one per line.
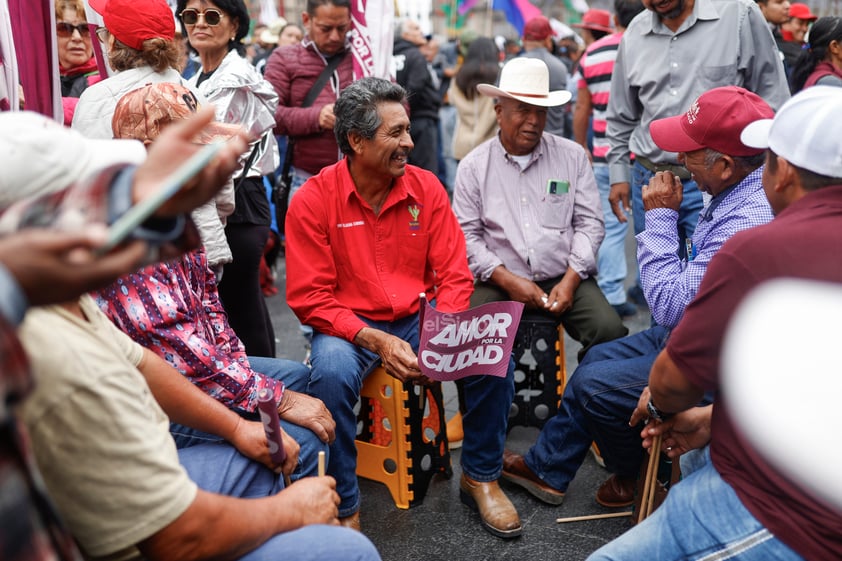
column 594, row 517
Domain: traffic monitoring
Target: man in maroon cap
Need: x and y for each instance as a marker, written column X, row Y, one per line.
column 603, row 392
column 538, row 43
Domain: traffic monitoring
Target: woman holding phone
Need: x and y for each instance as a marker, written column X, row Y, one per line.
column 241, row 96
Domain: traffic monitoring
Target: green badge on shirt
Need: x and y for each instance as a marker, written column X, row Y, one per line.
column 557, row 187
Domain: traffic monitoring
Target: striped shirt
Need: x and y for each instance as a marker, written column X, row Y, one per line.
column 596, row 67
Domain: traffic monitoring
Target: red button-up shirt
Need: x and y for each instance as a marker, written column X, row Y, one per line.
column 343, row 261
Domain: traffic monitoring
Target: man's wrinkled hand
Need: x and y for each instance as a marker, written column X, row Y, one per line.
column 326, row 117
column 400, row 361
column 665, row 190
column 308, row 412
column 619, row 198
column 56, row 266
column 688, row 430
column 314, row 500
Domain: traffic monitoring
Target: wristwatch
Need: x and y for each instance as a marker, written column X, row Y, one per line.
column 656, row 413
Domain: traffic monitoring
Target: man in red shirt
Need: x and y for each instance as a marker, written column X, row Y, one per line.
column 365, row 236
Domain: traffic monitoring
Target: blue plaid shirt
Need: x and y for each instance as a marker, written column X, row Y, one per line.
column 669, row 282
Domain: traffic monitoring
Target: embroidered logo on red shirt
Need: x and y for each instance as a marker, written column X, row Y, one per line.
column 414, row 211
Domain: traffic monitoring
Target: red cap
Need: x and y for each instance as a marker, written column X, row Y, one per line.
column 802, row 11
column 134, row 21
column 537, row 29
column 597, row 20
column 715, row 121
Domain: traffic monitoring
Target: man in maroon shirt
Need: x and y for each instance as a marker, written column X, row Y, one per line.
column 364, row 238
column 293, row 70
column 732, row 504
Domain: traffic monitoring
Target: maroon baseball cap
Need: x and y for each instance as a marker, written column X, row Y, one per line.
column 537, row 29
column 715, row 121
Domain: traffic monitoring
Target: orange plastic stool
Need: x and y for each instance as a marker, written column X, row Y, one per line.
column 401, row 443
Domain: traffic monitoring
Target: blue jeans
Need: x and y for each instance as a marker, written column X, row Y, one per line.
column 611, row 259
column 219, row 468
column 447, row 128
column 299, row 177
column 596, row 406
column 339, row 368
column 702, row 518
column 295, row 377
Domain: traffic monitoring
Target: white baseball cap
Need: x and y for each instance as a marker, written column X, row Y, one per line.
column 805, row 131
column 39, row 156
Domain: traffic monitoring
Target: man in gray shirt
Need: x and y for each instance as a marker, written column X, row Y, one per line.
column 670, row 54
column 537, row 43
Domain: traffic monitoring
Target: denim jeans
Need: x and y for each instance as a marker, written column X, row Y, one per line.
column 447, row 128
column 299, row 177
column 295, row 377
column 611, row 259
column 339, row 368
column 219, row 468
column 596, row 406
column 702, row 518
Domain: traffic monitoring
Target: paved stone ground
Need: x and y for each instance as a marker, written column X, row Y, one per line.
column 443, row 529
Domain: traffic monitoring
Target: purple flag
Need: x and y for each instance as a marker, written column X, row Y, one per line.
column 477, row 341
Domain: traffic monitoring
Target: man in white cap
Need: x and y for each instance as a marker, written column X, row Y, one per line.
column 732, row 503
column 528, row 204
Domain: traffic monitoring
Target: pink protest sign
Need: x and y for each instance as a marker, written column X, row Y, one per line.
column 476, row 341
column 268, row 409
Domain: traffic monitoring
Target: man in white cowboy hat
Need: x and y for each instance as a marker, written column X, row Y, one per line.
column 528, row 204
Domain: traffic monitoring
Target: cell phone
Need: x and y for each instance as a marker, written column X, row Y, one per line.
column 557, row 187
column 136, row 215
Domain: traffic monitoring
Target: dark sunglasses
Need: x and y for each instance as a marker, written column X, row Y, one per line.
column 191, row 16
column 65, row 30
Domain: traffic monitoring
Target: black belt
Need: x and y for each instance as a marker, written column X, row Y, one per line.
column 679, row 171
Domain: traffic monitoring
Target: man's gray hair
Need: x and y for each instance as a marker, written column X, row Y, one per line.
column 356, row 109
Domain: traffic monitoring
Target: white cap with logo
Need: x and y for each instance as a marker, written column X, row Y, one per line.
column 805, row 131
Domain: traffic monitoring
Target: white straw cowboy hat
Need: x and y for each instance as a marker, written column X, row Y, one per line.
column 526, row 80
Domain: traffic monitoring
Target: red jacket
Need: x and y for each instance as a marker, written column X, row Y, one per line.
column 292, row 71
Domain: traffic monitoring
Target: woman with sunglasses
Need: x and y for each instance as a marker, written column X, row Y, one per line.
column 77, row 65
column 241, row 96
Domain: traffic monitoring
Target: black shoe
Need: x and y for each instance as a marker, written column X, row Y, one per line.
column 635, row 294
column 624, row 310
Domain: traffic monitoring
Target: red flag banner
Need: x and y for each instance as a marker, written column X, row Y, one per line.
column 477, row 341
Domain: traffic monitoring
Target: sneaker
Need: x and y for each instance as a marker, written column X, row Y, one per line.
column 624, row 310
